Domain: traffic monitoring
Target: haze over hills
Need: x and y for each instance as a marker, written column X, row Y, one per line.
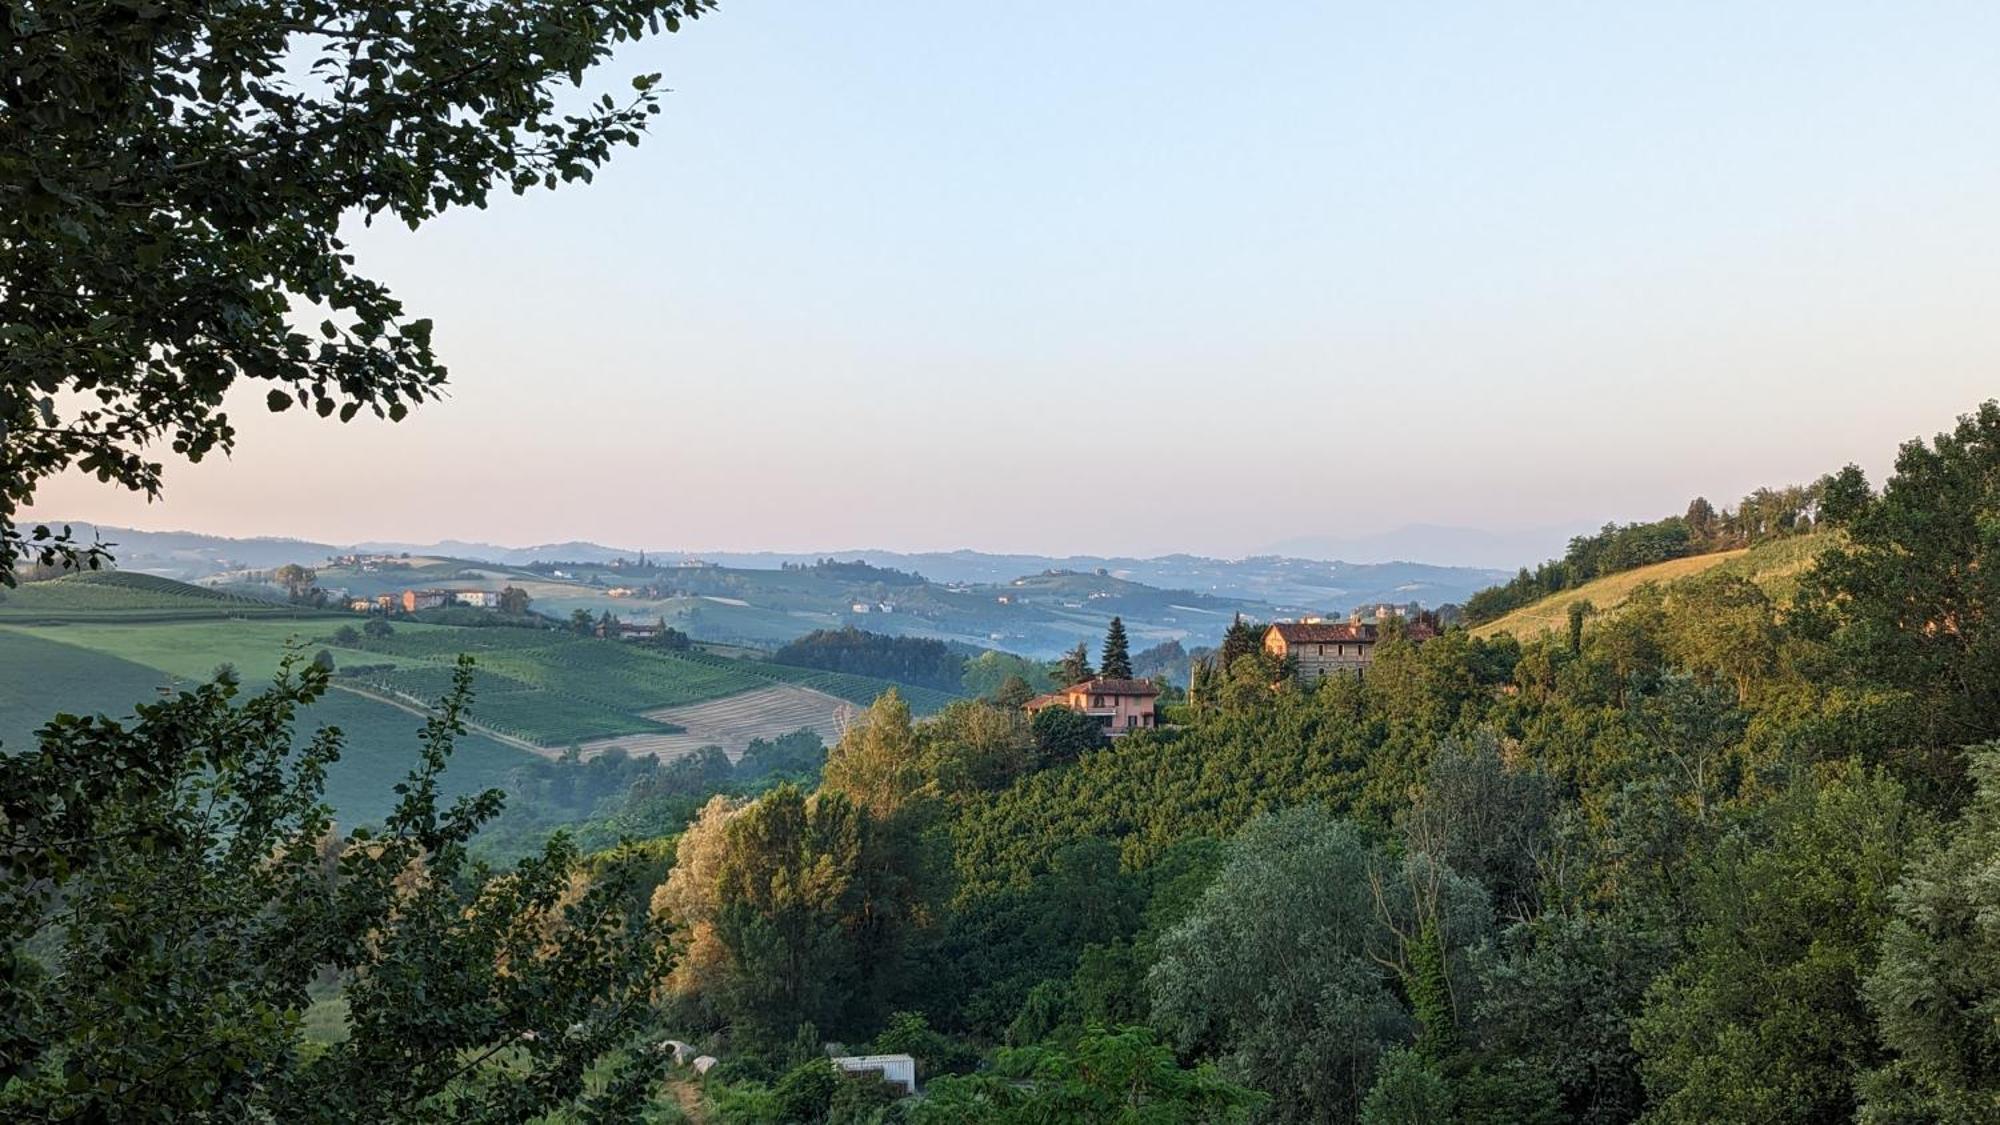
column 1437, row 543
column 1283, row 579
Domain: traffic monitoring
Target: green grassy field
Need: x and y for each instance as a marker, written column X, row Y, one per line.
column 1775, row 566
column 543, row 687
column 118, row 596
column 41, row 676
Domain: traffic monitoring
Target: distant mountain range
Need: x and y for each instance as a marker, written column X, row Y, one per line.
column 1281, row 579
column 1446, row 546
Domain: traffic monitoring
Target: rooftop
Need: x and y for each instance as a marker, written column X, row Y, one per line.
column 1101, row 686
column 1324, row 633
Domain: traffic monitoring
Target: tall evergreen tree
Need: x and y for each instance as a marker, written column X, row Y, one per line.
column 1075, row 667
column 1117, row 663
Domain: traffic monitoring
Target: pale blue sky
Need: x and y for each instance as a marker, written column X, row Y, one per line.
column 1141, row 277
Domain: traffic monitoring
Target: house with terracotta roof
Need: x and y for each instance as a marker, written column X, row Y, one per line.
column 1119, row 706
column 1321, row 648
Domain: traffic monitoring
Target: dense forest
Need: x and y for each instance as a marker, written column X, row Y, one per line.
column 1763, row 515
column 910, row 660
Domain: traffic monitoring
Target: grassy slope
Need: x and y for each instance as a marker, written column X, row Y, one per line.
column 1775, row 566
column 41, row 675
column 118, row 596
column 547, row 688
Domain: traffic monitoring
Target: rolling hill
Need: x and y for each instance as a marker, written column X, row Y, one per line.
column 118, row 595
column 100, row 643
column 1774, row 565
column 765, row 599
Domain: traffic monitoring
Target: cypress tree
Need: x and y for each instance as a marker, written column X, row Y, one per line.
column 1242, row 639
column 1117, row 662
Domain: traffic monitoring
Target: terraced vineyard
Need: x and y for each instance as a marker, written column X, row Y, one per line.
column 536, row 687
column 553, row 689
column 507, row 705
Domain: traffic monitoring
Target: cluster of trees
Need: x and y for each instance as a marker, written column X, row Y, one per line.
column 1764, row 514
column 1712, row 858
column 1114, row 659
column 919, row 661
column 607, row 626
column 859, row 571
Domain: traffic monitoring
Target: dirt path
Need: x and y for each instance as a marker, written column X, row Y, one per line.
column 688, row 1096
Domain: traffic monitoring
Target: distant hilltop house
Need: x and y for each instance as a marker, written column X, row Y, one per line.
column 482, row 599
column 414, row 600
column 1119, row 706
column 1320, row 648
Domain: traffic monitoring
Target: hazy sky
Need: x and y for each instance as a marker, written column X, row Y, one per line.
column 1142, row 277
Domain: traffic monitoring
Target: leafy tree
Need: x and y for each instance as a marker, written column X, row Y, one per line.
column 1911, row 601
column 514, row 601
column 176, row 194
column 377, row 628
column 1558, row 995
column 173, row 887
column 800, row 753
column 1013, row 692
column 581, row 623
column 1480, row 818
column 908, row 1033
column 347, row 636
column 1117, row 660
column 1408, row 1090
column 1075, row 667
column 1122, row 1075
column 877, row 764
column 1063, row 735
column 1763, row 1019
column 1937, row 984
column 1277, row 968
column 987, row 672
column 323, row 660
column 972, row 746
column 1724, row 628
column 1702, row 522
column 297, row 580
column 784, row 883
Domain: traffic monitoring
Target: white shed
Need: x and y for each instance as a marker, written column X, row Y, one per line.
column 896, row 1070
